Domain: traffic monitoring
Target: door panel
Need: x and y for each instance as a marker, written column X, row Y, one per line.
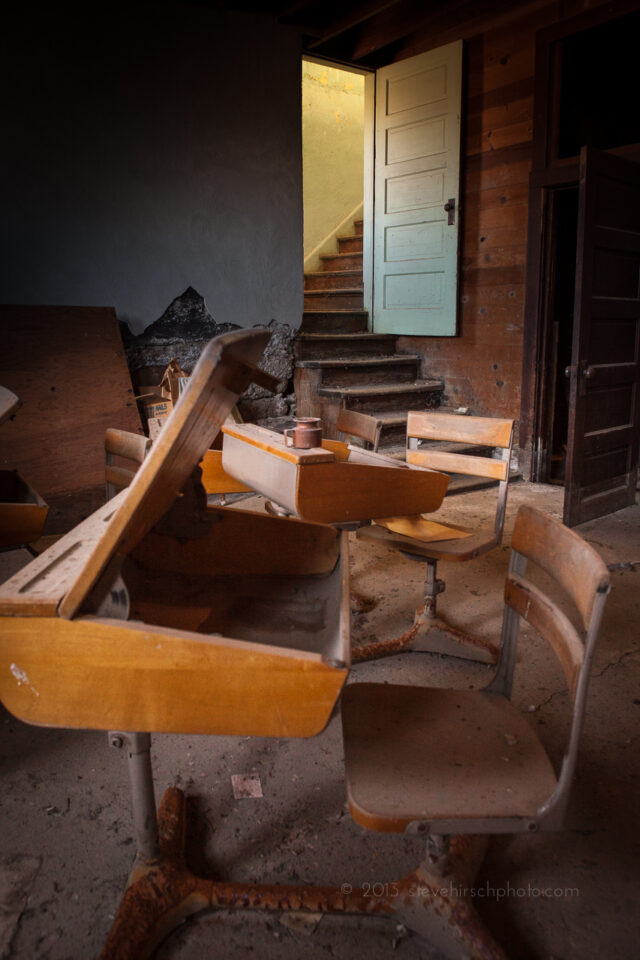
column 604, row 423
column 417, row 170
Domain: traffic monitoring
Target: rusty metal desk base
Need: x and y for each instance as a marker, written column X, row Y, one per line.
column 163, row 892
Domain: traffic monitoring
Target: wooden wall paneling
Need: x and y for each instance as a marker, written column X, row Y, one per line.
column 68, row 367
column 481, row 21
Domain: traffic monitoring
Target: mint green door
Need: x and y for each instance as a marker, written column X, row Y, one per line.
column 417, row 174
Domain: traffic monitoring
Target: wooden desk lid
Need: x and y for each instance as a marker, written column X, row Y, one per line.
column 225, row 369
column 275, row 444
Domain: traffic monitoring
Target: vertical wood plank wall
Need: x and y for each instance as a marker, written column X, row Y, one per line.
column 482, row 368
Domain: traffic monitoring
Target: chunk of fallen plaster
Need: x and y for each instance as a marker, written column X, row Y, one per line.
column 246, row 785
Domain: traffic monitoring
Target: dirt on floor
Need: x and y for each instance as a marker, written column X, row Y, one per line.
column 66, row 843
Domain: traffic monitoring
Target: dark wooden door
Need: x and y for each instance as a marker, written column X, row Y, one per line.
column 604, row 416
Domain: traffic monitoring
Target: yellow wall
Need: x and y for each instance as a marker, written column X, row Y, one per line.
column 333, row 149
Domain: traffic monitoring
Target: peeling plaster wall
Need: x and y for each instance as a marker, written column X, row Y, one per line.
column 149, row 149
column 333, row 148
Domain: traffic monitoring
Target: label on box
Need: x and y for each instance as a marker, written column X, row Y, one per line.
column 156, row 410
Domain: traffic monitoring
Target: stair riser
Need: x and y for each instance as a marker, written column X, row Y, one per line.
column 399, row 401
column 350, row 244
column 395, row 434
column 326, row 349
column 358, row 227
column 352, row 261
column 319, row 322
column 330, row 281
column 369, row 375
column 339, row 301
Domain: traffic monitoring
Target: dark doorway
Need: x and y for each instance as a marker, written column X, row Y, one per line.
column 562, row 231
column 585, row 68
column 598, row 70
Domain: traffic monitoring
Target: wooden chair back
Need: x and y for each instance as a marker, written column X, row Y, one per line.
column 126, row 446
column 575, row 567
column 360, row 425
column 453, row 428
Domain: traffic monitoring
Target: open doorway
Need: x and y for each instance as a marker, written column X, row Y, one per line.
column 583, row 68
column 332, row 157
column 561, row 233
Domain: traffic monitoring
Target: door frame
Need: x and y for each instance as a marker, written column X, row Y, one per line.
column 548, row 173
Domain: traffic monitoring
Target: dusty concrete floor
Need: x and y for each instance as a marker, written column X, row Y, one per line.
column 66, row 828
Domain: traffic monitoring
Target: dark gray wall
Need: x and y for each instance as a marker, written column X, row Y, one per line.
column 149, row 149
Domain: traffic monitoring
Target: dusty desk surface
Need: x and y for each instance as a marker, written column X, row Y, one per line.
column 324, row 484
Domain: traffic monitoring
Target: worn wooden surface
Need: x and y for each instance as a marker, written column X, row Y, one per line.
column 275, row 444
column 356, row 424
column 214, row 477
column 457, row 550
column 545, row 617
column 565, row 556
column 486, row 431
column 68, row 367
column 459, row 463
column 219, row 377
column 334, row 491
column 350, row 492
column 422, row 529
column 240, row 543
column 419, row 753
column 37, row 589
column 160, row 680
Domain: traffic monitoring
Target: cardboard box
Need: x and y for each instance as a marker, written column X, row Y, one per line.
column 158, row 402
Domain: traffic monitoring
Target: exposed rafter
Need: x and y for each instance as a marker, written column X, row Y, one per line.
column 354, row 16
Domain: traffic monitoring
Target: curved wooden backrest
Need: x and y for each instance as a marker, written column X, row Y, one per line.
column 564, row 555
column 361, row 425
column 224, row 370
column 452, row 428
column 128, row 446
column 488, row 431
column 574, row 565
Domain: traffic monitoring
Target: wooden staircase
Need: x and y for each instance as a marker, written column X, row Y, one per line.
column 339, row 363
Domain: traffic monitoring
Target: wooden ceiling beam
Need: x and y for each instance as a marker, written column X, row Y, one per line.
column 442, row 32
column 394, row 25
column 358, row 14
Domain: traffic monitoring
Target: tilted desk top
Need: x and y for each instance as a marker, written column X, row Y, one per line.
column 159, row 614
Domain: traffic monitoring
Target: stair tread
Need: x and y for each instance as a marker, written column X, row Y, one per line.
column 346, row 337
column 340, row 291
column 334, row 273
column 341, row 256
column 383, row 389
column 394, row 419
column 394, row 359
column 342, row 311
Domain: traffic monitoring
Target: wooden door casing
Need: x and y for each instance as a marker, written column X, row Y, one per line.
column 604, row 421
